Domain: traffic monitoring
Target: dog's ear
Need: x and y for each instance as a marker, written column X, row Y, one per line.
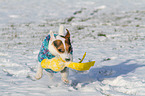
column 51, row 35
column 67, row 34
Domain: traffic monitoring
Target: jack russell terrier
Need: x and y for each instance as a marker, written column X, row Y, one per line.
column 55, row 45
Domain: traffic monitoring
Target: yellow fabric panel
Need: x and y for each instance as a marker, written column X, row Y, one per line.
column 57, row 64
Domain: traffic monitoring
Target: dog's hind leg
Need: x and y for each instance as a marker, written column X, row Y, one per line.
column 64, row 75
column 39, row 72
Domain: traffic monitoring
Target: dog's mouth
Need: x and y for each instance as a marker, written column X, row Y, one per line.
column 67, row 59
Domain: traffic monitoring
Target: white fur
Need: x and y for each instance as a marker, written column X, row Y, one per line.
column 65, row 55
column 39, row 72
column 61, row 30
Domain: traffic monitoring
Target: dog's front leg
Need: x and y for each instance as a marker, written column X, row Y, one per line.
column 64, row 75
column 39, row 72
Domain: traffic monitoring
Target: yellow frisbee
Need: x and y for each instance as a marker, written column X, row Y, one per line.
column 57, row 64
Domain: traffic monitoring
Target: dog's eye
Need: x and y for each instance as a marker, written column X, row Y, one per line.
column 60, row 50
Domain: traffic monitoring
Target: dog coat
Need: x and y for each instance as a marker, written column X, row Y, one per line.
column 45, row 53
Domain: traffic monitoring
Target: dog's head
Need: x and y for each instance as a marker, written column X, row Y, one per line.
column 61, row 46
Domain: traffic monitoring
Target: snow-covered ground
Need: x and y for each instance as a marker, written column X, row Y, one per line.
column 112, row 32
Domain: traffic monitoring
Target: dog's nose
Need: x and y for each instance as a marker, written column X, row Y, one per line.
column 67, row 59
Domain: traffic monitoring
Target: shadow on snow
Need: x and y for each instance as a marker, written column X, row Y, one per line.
column 99, row 74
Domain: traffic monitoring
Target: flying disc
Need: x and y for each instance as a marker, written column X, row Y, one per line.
column 58, row 64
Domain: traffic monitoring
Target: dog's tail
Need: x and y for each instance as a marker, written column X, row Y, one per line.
column 61, row 30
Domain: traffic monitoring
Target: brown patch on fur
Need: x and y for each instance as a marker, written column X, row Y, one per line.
column 67, row 34
column 67, row 41
column 59, row 46
column 68, row 45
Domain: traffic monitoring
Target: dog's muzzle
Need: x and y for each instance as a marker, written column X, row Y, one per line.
column 67, row 59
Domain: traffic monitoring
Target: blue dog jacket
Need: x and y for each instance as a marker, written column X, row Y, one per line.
column 44, row 52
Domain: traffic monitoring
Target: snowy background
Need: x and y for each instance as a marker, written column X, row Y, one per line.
column 112, row 32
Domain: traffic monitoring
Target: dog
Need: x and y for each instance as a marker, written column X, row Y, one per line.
column 55, row 45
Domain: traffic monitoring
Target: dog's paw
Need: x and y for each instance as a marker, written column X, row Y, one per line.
column 38, row 76
column 65, row 80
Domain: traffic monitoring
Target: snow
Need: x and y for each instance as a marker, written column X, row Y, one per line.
column 119, row 54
